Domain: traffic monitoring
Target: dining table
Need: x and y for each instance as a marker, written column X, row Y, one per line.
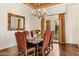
column 35, row 41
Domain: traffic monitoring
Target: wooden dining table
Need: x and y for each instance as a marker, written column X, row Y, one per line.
column 35, row 42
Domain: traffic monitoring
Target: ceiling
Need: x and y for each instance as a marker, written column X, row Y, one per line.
column 40, row 5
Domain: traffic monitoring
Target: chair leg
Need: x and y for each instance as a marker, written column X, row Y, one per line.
column 51, row 46
column 21, row 53
column 34, row 52
column 26, row 53
column 43, row 53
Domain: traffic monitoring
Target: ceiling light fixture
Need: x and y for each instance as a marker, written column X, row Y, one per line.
column 39, row 11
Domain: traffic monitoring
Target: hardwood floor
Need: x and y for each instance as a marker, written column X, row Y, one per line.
column 13, row 51
column 64, row 50
column 58, row 50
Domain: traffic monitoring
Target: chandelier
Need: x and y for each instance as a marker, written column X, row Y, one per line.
column 38, row 12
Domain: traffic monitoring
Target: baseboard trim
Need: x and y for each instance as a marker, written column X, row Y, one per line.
column 7, row 47
column 76, row 45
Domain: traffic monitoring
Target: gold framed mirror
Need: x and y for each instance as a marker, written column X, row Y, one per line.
column 16, row 22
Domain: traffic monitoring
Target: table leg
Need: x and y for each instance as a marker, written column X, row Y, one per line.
column 37, row 50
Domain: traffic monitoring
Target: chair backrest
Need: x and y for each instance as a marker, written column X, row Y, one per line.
column 27, row 34
column 46, row 39
column 32, row 35
column 52, row 37
column 21, row 42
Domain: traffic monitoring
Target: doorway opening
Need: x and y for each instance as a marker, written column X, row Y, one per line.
column 56, row 23
column 56, row 31
column 52, row 24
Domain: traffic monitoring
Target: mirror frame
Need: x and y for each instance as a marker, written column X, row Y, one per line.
column 18, row 22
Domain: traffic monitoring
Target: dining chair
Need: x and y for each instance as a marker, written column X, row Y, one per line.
column 44, row 49
column 27, row 34
column 51, row 40
column 22, row 45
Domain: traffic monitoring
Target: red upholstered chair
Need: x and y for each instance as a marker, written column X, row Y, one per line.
column 27, row 34
column 51, row 40
column 22, row 45
column 44, row 49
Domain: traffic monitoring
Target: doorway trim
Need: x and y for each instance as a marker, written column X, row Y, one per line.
column 62, row 36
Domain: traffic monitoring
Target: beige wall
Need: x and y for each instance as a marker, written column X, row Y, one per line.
column 72, row 25
column 7, row 38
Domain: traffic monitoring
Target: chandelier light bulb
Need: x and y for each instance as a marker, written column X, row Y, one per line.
column 32, row 12
column 44, row 10
column 39, row 10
